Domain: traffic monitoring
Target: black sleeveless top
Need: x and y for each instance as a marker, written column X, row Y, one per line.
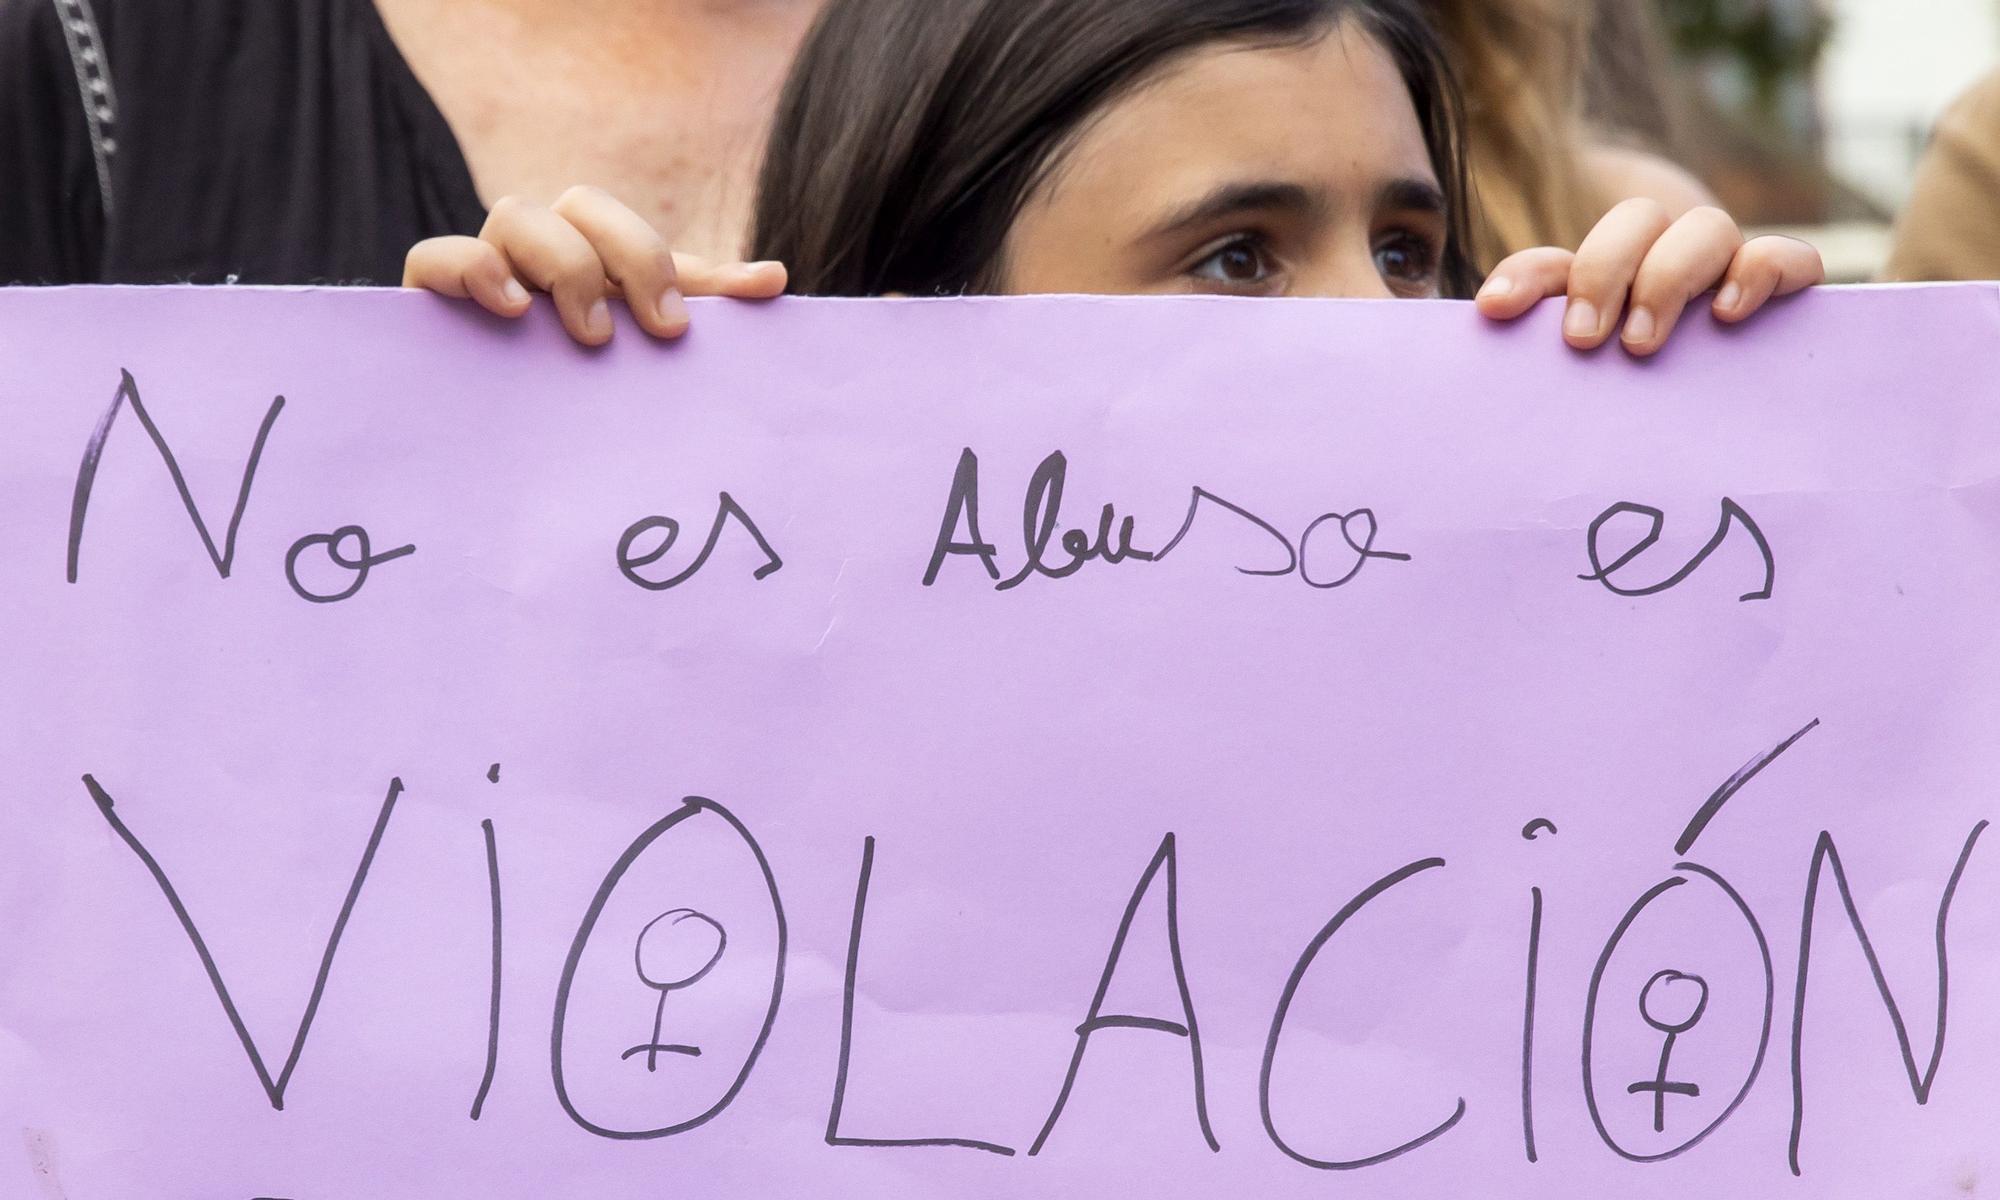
column 211, row 141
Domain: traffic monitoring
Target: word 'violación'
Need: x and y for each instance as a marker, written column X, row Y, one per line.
column 678, row 948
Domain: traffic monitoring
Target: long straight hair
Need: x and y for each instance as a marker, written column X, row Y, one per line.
column 1522, row 65
column 911, row 132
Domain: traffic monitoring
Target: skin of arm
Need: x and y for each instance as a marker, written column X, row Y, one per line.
column 1623, row 172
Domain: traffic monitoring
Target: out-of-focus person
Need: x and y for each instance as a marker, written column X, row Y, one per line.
column 1565, row 108
column 1951, row 227
column 299, row 141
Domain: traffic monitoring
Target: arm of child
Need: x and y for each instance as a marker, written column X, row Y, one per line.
column 1639, row 265
column 583, row 250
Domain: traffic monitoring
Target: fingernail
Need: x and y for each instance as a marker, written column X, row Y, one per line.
column 1729, row 297
column 1496, row 287
column 598, row 320
column 513, row 293
column 1639, row 327
column 1581, row 320
column 673, row 308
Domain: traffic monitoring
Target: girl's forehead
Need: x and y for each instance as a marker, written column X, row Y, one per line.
column 1334, row 113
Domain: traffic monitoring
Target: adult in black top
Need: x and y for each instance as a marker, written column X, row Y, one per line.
column 209, row 141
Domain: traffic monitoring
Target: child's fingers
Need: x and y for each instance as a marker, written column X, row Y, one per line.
column 634, row 256
column 1606, row 264
column 1522, row 280
column 1763, row 268
column 466, row 268
column 739, row 280
column 1686, row 261
column 553, row 255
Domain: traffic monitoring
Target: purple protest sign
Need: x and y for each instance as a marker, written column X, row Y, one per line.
column 996, row 748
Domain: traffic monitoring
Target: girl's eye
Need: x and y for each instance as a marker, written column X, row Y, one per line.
column 1241, row 263
column 1407, row 260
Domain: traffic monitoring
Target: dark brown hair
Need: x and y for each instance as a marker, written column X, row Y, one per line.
column 911, row 132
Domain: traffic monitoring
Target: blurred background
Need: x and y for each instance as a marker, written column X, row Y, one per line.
column 1809, row 115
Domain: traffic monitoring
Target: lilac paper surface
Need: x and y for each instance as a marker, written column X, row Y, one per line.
column 1403, row 821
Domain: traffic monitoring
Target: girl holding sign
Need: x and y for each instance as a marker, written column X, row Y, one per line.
column 1229, row 147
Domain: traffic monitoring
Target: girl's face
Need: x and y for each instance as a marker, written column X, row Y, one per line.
column 1294, row 171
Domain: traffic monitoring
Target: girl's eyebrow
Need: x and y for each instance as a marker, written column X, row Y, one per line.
column 1412, row 195
column 1409, row 194
column 1236, row 199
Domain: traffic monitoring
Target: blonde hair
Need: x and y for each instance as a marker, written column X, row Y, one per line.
column 1521, row 65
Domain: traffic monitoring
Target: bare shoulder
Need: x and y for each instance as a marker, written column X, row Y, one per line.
column 1622, row 172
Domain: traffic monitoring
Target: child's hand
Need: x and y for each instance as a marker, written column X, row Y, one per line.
column 1638, row 264
column 581, row 250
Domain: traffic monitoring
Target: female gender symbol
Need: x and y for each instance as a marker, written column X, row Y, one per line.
column 1673, row 1010
column 686, row 947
